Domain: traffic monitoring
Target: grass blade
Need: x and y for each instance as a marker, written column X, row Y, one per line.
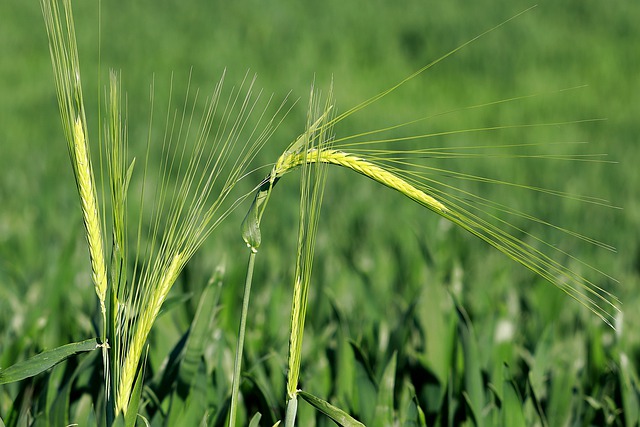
column 365, row 389
column 512, row 404
column 45, row 360
column 414, row 415
column 336, row 414
column 237, row 366
column 255, row 420
column 59, row 413
column 383, row 414
column 188, row 388
column 131, row 414
column 630, row 391
column 312, row 182
column 199, row 332
column 474, row 389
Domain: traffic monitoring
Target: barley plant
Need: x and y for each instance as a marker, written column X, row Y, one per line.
column 146, row 216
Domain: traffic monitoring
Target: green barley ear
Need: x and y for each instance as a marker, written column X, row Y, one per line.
column 194, row 185
column 66, row 71
column 190, row 200
column 395, row 169
column 467, row 210
column 90, row 215
column 363, row 167
column 307, row 147
column 130, row 360
column 414, row 172
column 316, row 140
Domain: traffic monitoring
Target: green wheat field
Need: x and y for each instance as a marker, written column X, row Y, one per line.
column 463, row 250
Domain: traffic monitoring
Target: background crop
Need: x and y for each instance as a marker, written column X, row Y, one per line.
column 385, row 268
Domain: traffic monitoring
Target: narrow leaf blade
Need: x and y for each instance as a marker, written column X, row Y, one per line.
column 336, row 414
column 255, row 421
column 199, row 332
column 512, row 405
column 629, row 390
column 384, row 405
column 59, row 412
column 134, row 403
column 45, row 360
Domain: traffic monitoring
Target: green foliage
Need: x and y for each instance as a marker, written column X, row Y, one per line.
column 45, row 360
column 409, row 321
column 335, row 413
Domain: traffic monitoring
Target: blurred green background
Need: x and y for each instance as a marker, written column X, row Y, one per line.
column 377, row 253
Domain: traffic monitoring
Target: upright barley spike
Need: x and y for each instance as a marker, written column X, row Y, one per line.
column 64, row 58
column 86, row 189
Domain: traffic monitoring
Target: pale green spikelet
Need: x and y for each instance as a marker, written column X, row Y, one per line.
column 365, row 168
column 150, row 312
column 461, row 210
column 295, row 339
column 316, row 140
column 64, row 58
column 90, row 215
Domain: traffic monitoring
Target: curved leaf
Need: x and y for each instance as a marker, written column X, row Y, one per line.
column 383, row 415
column 45, row 360
column 335, row 413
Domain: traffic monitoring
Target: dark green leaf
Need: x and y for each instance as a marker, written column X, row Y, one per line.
column 336, row 414
column 345, row 364
column 194, row 408
column 255, row 421
column 173, row 302
column 119, row 421
column 134, row 402
column 414, row 414
column 630, row 391
column 199, row 333
column 512, row 415
column 474, row 394
column 59, row 412
column 383, row 415
column 263, row 397
column 365, row 389
column 91, row 419
column 45, row 360
column 188, row 401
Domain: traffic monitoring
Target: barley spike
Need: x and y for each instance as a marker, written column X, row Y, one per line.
column 84, row 179
column 150, row 312
column 364, row 167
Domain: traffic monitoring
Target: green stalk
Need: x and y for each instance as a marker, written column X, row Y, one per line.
column 252, row 237
column 292, row 410
column 235, row 386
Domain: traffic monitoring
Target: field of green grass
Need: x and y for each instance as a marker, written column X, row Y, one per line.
column 408, row 313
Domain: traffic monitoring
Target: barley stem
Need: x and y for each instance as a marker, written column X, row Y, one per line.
column 292, row 410
column 237, row 365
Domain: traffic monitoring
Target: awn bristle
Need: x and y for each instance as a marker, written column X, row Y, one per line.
column 363, row 167
column 90, row 213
